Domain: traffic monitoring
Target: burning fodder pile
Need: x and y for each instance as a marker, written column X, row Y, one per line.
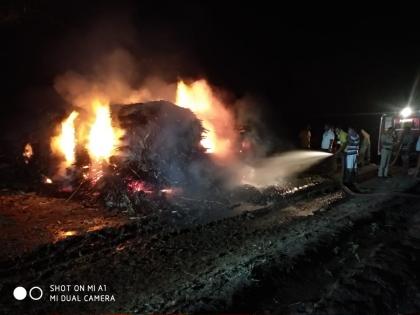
column 145, row 155
column 161, row 156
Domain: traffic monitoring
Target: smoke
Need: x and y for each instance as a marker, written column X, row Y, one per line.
column 253, row 124
column 114, row 67
column 114, row 78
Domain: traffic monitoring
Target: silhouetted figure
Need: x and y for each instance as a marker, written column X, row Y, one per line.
column 305, row 138
column 351, row 151
column 364, row 155
column 407, row 140
column 387, row 145
column 327, row 139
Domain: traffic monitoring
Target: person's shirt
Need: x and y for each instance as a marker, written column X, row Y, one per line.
column 365, row 136
column 342, row 138
column 406, row 142
column 387, row 141
column 327, row 139
column 353, row 144
column 305, row 138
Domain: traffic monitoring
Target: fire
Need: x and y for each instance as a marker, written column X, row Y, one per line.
column 219, row 135
column 170, row 192
column 65, row 143
column 138, row 185
column 27, row 152
column 46, row 180
column 102, row 139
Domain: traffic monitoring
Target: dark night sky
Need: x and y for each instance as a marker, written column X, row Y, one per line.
column 302, row 61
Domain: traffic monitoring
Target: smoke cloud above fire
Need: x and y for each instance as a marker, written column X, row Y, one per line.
column 112, row 80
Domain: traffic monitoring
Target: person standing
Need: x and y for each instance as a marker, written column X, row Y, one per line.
column 364, row 156
column 341, row 138
column 387, row 145
column 327, row 139
column 406, row 147
column 305, row 138
column 418, row 157
column 341, row 144
column 351, row 151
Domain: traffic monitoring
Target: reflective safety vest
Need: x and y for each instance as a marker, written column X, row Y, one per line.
column 342, row 138
column 353, row 144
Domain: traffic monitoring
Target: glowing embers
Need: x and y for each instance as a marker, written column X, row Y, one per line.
column 134, row 185
column 27, row 153
column 65, row 234
column 46, row 180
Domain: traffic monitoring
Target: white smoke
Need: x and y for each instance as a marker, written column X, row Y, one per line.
column 114, row 79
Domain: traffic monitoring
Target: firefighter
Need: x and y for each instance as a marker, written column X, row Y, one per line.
column 387, row 145
column 351, row 151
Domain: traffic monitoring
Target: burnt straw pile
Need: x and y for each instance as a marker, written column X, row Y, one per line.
column 160, row 156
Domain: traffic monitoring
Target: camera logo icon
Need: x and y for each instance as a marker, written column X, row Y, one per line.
column 35, row 293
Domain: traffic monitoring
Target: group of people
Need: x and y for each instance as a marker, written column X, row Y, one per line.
column 334, row 139
column 354, row 149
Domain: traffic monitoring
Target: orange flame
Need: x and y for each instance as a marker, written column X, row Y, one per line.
column 103, row 138
column 65, row 143
column 27, row 152
column 219, row 135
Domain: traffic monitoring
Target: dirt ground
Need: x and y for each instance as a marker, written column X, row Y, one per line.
column 28, row 220
column 327, row 253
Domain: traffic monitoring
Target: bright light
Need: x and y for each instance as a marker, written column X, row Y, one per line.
column 103, row 138
column 65, row 142
column 407, row 111
column 217, row 121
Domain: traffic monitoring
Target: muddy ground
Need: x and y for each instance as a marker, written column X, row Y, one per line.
column 28, row 220
column 325, row 252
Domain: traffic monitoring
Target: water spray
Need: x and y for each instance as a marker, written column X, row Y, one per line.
column 273, row 170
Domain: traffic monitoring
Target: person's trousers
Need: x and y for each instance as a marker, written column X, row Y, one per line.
column 418, row 165
column 364, row 155
column 350, row 168
column 343, row 166
column 384, row 164
column 351, row 161
column 405, row 158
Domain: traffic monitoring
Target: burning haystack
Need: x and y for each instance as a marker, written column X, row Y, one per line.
column 160, row 154
column 128, row 152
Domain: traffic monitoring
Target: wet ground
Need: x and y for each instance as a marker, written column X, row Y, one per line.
column 326, row 252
